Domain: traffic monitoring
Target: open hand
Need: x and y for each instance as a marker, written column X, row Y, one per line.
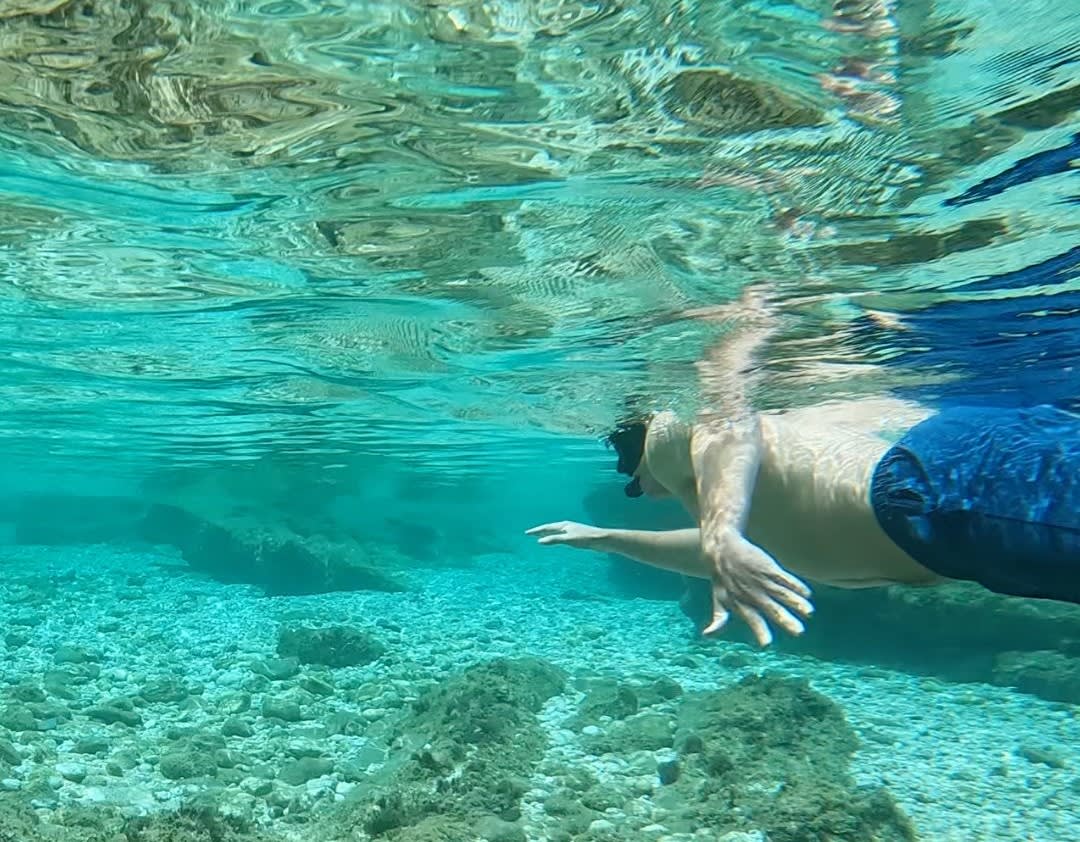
column 746, row 580
column 567, row 532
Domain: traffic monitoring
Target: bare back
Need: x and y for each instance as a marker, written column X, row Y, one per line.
column 810, row 507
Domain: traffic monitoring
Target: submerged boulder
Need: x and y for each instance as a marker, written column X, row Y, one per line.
column 958, row 631
column 771, row 754
column 190, row 824
column 333, row 646
column 19, row 822
column 475, row 739
column 277, row 560
column 1051, row 675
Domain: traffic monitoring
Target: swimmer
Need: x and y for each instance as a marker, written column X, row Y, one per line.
column 981, row 494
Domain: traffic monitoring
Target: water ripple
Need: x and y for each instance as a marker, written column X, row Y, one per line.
column 234, row 229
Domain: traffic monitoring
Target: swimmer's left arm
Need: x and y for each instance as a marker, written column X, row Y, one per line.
column 678, row 550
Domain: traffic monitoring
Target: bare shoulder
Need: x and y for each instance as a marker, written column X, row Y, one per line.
column 667, row 449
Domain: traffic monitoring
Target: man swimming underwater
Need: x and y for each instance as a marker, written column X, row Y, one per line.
column 988, row 495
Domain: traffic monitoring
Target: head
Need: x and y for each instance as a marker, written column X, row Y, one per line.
column 628, row 439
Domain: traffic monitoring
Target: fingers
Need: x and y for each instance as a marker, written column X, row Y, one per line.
column 774, row 599
column 756, row 622
column 720, row 613
column 777, row 593
column 779, row 615
column 777, row 575
column 767, row 598
column 795, row 602
column 789, row 582
column 547, row 528
column 753, row 611
column 549, row 533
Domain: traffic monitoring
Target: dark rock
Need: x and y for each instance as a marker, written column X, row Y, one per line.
column 285, row 709
column 196, row 821
column 275, row 559
column 1051, row 675
column 479, row 741
column 668, row 770
column 162, row 690
column 112, row 715
column 9, row 754
column 180, row 765
column 27, row 693
column 298, row 772
column 276, row 669
column 15, row 639
column 1046, row 755
column 643, row 732
column 775, row 758
column 18, row 718
column 68, row 654
column 606, row 697
column 61, row 682
column 91, row 745
column 663, row 689
column 234, row 726
column 958, row 632
column 334, row 646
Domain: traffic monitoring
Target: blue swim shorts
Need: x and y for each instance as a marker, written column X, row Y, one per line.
column 988, row 495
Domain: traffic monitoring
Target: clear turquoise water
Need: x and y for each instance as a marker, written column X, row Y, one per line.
column 359, row 266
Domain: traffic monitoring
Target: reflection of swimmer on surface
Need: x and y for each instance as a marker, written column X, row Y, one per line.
column 866, row 83
column 985, row 494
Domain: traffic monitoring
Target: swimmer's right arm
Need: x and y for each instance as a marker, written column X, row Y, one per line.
column 678, row 550
column 726, row 452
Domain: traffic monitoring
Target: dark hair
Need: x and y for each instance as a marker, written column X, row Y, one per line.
column 628, row 439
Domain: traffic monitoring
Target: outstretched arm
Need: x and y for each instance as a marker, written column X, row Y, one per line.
column 678, row 550
column 726, row 455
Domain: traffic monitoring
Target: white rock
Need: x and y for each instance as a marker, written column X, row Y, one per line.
column 74, row 772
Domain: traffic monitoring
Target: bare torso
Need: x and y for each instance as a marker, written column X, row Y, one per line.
column 811, row 504
column 810, row 508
